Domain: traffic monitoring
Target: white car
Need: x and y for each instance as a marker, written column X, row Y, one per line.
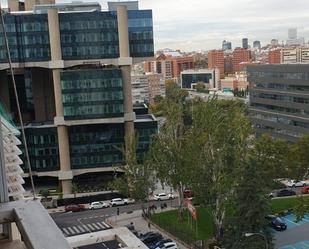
column 98, row 205
column 168, row 245
column 117, row 202
column 295, row 183
column 162, row 197
column 128, row 201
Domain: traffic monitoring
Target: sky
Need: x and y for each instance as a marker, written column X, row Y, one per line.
column 194, row 25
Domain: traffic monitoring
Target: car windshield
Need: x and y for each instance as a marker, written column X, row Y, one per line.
column 278, row 220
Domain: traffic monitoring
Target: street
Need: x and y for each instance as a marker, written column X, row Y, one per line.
column 72, row 224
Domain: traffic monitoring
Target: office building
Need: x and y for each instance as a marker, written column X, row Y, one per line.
column 293, row 40
column 245, row 43
column 274, row 56
column 240, row 55
column 257, row 45
column 279, row 102
column 208, row 77
column 216, row 60
column 274, row 42
column 226, row 45
column 73, row 74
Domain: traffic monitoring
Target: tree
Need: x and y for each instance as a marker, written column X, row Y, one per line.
column 44, row 193
column 200, row 87
column 167, row 153
column 137, row 180
column 218, row 143
column 250, row 206
column 75, row 189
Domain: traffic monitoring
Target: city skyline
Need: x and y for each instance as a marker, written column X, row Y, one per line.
column 204, row 25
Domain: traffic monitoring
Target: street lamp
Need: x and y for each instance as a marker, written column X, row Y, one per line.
column 258, row 234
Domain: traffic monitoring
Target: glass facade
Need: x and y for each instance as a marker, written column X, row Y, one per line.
column 28, row 38
column 92, row 93
column 188, row 79
column 96, row 145
column 43, row 149
column 84, row 35
column 140, row 33
column 282, row 86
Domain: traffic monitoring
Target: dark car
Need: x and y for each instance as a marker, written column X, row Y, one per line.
column 151, row 238
column 285, row 192
column 276, row 222
column 74, row 208
column 160, row 243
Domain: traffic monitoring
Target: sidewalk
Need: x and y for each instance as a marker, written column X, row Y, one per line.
column 140, row 224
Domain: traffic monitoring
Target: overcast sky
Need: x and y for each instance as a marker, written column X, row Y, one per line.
column 203, row 24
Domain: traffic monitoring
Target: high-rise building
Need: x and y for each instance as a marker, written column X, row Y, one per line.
column 274, row 56
column 257, row 45
column 274, row 42
column 73, row 76
column 292, row 33
column 245, row 43
column 279, row 100
column 226, row 45
column 293, row 40
column 240, row 55
column 216, row 60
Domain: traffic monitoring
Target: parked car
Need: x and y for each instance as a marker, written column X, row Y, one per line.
column 98, row 205
column 128, row 201
column 160, row 243
column 295, row 183
column 117, row 202
column 151, row 238
column 285, row 192
column 168, row 245
column 305, row 190
column 74, row 208
column 162, row 197
column 276, row 222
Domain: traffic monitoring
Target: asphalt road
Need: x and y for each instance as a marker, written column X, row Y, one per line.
column 87, row 221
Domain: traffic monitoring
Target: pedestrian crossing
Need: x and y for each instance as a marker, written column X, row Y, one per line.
column 84, row 228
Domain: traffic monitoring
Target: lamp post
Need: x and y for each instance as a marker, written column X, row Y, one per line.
column 258, row 234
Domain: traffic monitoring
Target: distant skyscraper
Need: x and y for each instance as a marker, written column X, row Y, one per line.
column 292, row 33
column 293, row 40
column 257, row 44
column 245, row 44
column 226, row 45
column 274, row 42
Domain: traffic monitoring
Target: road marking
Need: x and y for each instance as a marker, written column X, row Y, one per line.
column 81, row 228
column 101, row 224
column 97, row 227
column 91, row 227
column 86, row 228
column 66, row 231
column 71, row 230
column 76, row 229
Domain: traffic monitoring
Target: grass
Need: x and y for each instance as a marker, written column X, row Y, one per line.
column 279, row 205
column 186, row 231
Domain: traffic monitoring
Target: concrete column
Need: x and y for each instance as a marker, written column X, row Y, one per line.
column 65, row 174
column 124, row 53
column 4, row 91
column 38, row 94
